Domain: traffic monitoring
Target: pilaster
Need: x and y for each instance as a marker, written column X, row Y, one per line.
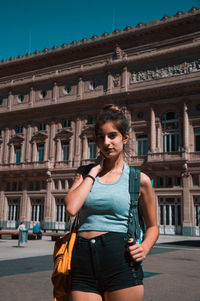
column 185, row 128
column 77, row 156
column 85, row 147
column 55, row 92
column 6, row 147
column 153, row 130
column 80, row 88
column 52, row 141
column 58, row 150
column 124, row 79
column 109, row 83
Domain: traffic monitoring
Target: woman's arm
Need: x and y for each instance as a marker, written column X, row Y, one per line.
column 79, row 191
column 146, row 201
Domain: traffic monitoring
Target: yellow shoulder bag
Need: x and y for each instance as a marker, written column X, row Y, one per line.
column 61, row 278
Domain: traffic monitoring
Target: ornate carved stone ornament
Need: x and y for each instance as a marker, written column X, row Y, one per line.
column 164, row 72
column 63, row 134
column 16, row 140
column 88, row 130
column 118, row 53
column 39, row 137
column 116, row 80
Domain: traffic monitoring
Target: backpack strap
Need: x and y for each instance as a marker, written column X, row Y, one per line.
column 134, row 190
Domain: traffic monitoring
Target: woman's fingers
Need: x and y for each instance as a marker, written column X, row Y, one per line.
column 136, row 251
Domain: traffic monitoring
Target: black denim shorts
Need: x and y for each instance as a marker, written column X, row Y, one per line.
column 103, row 264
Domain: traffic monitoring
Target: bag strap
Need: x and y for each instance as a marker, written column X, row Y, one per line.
column 134, row 190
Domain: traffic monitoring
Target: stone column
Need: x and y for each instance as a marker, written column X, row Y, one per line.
column 125, row 79
column 1, row 160
column 22, row 151
column 52, row 142
column 46, row 150
column 159, row 133
column 153, row 131
column 80, row 88
column 185, row 128
column 71, row 147
column 23, row 204
column 31, row 97
column 77, row 156
column 48, row 206
column 5, row 146
column 12, row 153
column 55, row 92
column 85, row 148
column 34, row 151
column 10, row 100
column 28, row 144
column 109, row 83
column 58, row 150
column 188, row 228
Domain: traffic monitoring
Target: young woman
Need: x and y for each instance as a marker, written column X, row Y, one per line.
column 101, row 268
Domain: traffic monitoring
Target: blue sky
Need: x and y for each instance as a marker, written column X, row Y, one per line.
column 26, row 26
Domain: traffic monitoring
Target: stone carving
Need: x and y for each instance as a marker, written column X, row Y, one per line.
column 167, row 71
column 118, row 52
column 116, row 80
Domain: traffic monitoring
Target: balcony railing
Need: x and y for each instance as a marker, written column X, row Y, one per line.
column 163, row 157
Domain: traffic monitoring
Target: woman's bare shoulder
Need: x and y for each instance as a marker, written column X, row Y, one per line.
column 145, row 180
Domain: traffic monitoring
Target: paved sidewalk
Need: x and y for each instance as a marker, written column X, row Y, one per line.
column 171, row 270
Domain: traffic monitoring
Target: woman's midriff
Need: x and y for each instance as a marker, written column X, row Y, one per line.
column 90, row 234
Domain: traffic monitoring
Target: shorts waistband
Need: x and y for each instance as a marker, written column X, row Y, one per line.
column 103, row 238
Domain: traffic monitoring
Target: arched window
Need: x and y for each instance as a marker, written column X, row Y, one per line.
column 170, row 132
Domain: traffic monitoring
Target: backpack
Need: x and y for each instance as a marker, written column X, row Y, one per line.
column 136, row 224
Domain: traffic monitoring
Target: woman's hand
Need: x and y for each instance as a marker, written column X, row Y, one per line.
column 98, row 165
column 136, row 251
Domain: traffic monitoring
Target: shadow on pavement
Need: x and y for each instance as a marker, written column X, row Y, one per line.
column 184, row 243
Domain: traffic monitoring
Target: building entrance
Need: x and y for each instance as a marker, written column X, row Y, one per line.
column 170, row 215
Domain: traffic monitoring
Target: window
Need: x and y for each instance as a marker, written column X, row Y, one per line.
column 61, row 215
column 40, row 152
column 67, row 90
column 56, row 184
column 43, row 94
column 93, row 85
column 66, row 123
column 19, row 129
column 90, row 120
column 37, row 185
column 44, row 184
column 13, row 210
column 91, row 149
column 160, row 182
column 17, row 150
column 1, row 102
column 177, row 181
column 197, row 211
column 42, row 126
column 0, row 132
column 141, row 143
column 170, row 132
column 170, row 211
column 37, row 211
column 65, row 151
column 195, row 180
column 20, row 98
column 169, row 182
column 197, row 140
column 63, row 184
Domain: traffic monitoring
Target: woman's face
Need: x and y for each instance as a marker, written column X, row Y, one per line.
column 110, row 141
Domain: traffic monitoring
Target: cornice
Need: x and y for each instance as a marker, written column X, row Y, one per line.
column 81, row 70
column 105, row 37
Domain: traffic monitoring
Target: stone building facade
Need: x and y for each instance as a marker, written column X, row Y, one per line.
column 48, row 104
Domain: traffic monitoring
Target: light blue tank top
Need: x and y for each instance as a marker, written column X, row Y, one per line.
column 107, row 206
